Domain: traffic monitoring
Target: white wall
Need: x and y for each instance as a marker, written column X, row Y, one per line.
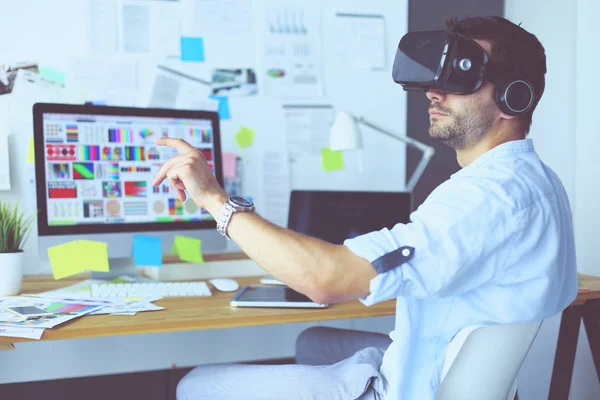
column 52, row 32
column 566, row 135
column 359, row 91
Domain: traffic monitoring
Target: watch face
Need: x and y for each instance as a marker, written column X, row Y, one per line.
column 241, row 201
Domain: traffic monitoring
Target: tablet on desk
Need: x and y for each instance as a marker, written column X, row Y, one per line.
column 272, row 296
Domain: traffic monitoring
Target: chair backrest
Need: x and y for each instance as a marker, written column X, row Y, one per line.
column 482, row 362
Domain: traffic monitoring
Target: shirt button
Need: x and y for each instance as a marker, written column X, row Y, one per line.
column 405, row 252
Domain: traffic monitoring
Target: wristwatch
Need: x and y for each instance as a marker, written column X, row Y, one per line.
column 232, row 205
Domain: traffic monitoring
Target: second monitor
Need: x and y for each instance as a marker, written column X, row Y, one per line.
column 335, row 216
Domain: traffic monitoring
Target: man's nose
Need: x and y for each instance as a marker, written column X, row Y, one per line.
column 435, row 96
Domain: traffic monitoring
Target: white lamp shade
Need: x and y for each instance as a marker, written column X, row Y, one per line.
column 345, row 133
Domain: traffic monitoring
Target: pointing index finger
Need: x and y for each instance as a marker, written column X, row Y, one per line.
column 178, row 144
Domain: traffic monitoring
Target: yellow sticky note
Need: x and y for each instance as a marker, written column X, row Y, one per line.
column 93, row 255
column 189, row 249
column 65, row 260
column 331, row 160
column 30, row 152
column 244, row 137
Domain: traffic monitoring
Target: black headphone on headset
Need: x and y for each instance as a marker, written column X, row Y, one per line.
column 514, row 93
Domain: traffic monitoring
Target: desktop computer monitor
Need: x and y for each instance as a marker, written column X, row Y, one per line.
column 94, row 168
column 337, row 216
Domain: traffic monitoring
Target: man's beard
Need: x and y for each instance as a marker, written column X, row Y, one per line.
column 465, row 128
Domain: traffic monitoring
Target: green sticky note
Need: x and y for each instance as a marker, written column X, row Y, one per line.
column 52, row 75
column 30, row 152
column 93, row 255
column 244, row 137
column 65, row 260
column 331, row 160
column 189, row 249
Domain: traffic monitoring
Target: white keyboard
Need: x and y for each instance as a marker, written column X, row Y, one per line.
column 151, row 289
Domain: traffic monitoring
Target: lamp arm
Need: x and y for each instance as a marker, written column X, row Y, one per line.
column 428, row 151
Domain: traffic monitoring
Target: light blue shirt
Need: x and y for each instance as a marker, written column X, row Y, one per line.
column 493, row 244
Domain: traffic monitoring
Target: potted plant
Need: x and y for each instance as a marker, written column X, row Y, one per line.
column 14, row 229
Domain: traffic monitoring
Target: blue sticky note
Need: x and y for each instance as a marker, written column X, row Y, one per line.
column 192, row 49
column 223, row 106
column 147, row 251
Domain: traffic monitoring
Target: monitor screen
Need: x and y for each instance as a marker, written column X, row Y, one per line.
column 337, row 216
column 95, row 166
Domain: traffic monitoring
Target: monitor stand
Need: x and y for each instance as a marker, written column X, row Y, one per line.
column 118, row 267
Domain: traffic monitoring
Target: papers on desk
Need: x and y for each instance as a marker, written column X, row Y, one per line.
column 63, row 311
column 67, row 304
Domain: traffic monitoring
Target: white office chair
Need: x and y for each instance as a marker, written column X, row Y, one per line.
column 483, row 362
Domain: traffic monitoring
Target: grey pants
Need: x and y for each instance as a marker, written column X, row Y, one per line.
column 332, row 364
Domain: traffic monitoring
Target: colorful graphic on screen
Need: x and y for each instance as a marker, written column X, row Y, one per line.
column 93, row 208
column 112, row 153
column 146, row 133
column 202, row 135
column 61, row 152
column 111, row 189
column 99, row 167
column 135, row 208
column 136, row 189
column 135, row 153
column 120, row 135
column 59, row 171
column 62, row 190
column 72, row 133
column 89, row 153
column 175, row 207
column 83, row 170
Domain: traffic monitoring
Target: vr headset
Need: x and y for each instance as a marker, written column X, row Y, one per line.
column 453, row 63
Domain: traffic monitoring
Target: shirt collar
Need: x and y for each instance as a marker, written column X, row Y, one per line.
column 514, row 146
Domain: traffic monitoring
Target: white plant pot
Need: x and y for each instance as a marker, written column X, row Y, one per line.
column 11, row 273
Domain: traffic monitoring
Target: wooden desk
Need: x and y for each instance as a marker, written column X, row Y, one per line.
column 187, row 314
column 586, row 308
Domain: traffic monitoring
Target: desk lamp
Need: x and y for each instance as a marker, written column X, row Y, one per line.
column 346, row 135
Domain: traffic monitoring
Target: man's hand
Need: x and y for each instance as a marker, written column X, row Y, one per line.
column 189, row 171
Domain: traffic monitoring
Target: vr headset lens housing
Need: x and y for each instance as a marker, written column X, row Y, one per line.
column 439, row 60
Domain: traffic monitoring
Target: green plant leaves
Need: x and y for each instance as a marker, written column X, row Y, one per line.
column 15, row 227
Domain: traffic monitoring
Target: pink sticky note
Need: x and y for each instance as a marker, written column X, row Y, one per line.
column 229, row 165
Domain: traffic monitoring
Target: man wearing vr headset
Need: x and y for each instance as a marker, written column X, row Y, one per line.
column 492, row 245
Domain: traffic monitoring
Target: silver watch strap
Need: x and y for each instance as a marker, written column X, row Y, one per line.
column 226, row 213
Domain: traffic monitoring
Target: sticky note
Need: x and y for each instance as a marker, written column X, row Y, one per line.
column 331, row 160
column 147, row 251
column 31, row 152
column 229, row 165
column 223, row 106
column 74, row 257
column 93, row 255
column 244, row 137
column 52, row 75
column 189, row 249
column 65, row 260
column 192, row 49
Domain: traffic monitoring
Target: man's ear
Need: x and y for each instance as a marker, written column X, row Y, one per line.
column 506, row 116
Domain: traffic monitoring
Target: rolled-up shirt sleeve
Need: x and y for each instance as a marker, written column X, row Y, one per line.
column 458, row 239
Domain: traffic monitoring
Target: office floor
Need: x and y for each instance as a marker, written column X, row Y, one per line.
column 154, row 385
